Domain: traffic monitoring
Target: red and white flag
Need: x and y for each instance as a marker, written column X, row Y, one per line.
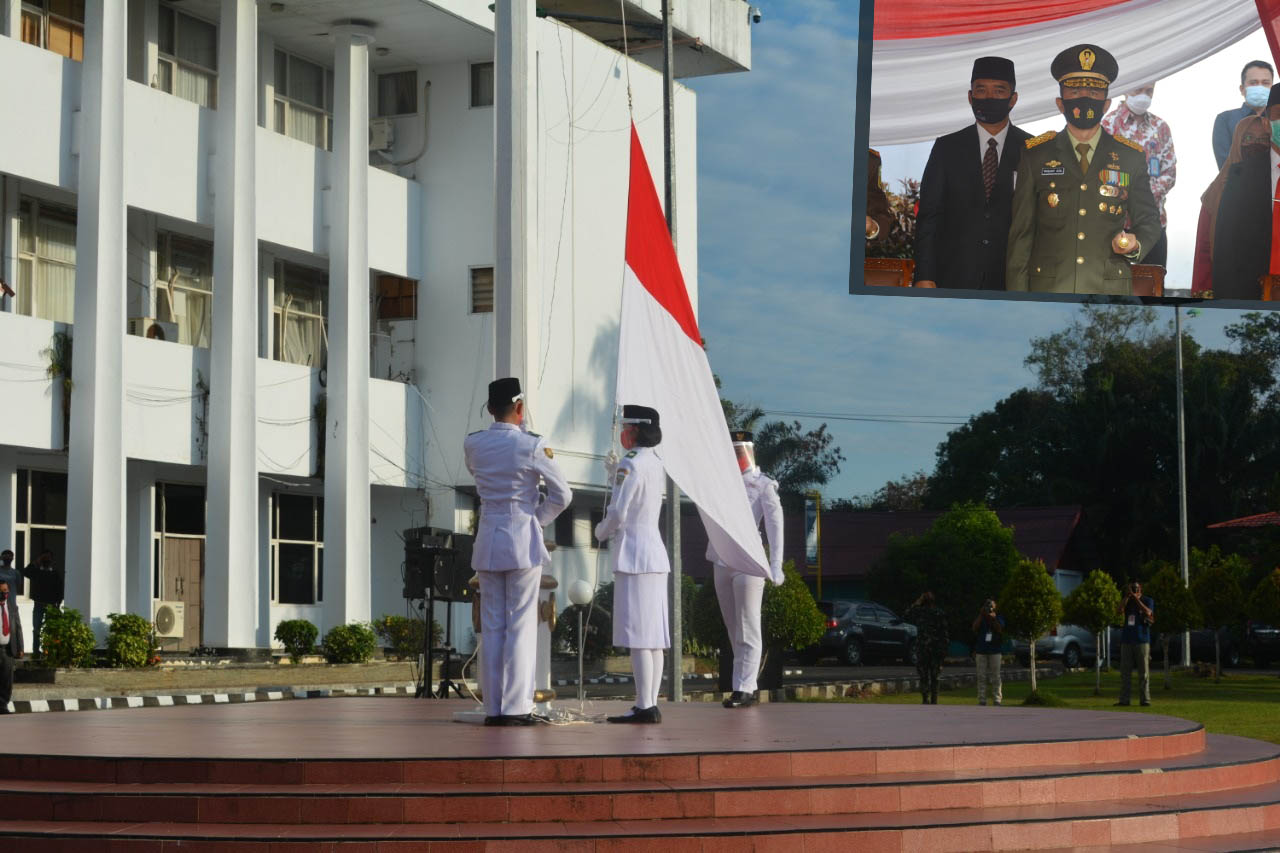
column 661, row 364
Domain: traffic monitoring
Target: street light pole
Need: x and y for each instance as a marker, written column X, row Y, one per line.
column 1182, row 473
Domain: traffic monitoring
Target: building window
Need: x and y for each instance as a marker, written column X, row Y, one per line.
column 188, row 57
column 482, row 84
column 56, row 25
column 396, row 298
column 184, row 291
column 482, row 290
column 46, row 260
column 597, row 516
column 398, row 93
column 297, row 549
column 564, row 529
column 299, row 315
column 304, row 100
column 40, row 516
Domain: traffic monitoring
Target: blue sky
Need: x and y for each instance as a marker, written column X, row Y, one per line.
column 775, row 149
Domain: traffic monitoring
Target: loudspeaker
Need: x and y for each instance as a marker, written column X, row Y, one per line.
column 437, row 564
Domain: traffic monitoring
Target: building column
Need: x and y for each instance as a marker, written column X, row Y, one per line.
column 9, row 234
column 11, row 18
column 96, row 465
column 346, row 480
column 139, row 548
column 515, row 272
column 231, row 555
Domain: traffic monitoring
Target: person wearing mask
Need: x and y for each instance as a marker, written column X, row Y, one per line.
column 740, row 593
column 1138, row 614
column 1082, row 205
column 640, row 563
column 988, row 629
column 962, row 228
column 1134, row 121
column 10, row 642
column 1249, row 153
column 1245, row 247
column 1256, row 80
column 9, row 573
column 48, row 584
column 509, row 464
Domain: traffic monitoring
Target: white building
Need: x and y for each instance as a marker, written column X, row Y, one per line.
column 303, row 205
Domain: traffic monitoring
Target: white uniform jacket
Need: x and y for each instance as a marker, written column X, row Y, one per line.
column 639, row 485
column 508, row 464
column 762, row 494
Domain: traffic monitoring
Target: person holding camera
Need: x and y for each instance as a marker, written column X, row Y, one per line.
column 1138, row 613
column 989, row 628
column 931, row 643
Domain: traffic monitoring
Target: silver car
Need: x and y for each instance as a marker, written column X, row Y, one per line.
column 1070, row 644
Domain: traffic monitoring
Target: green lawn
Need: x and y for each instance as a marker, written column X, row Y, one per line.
column 1247, row 705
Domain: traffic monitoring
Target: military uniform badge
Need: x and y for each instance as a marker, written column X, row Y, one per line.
column 1052, row 199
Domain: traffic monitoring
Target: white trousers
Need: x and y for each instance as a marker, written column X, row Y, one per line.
column 646, row 668
column 509, row 624
column 740, row 595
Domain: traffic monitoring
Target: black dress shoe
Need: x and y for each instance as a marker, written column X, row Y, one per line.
column 1122, row 705
column 733, row 700
column 495, row 721
column 638, row 715
column 521, row 720
column 740, row 699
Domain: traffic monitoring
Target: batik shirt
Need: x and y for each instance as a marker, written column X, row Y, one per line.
column 1152, row 133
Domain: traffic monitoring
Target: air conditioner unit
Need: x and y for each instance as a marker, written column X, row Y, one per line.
column 168, row 618
column 382, row 134
column 150, row 327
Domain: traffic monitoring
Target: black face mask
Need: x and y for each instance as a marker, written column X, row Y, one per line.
column 1083, row 112
column 991, row 110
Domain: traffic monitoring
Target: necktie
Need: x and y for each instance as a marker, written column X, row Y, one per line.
column 4, row 615
column 990, row 162
column 1083, row 148
column 1274, row 269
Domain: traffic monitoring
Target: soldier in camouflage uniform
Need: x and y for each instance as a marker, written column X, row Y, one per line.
column 931, row 643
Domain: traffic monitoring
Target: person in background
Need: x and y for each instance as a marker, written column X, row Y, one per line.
column 9, row 573
column 48, row 584
column 1134, row 120
column 1248, row 151
column 1256, row 80
column 931, row 643
column 1138, row 613
column 987, row 647
column 879, row 214
column 966, row 194
column 10, row 642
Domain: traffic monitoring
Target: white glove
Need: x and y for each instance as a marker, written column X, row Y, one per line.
column 611, row 464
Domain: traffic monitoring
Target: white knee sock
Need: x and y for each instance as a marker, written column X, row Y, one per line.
column 642, row 671
column 657, row 677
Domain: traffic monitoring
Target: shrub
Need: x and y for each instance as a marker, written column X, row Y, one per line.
column 128, row 640
column 1031, row 604
column 353, row 643
column 65, row 639
column 298, row 636
column 789, row 617
column 1093, row 605
column 402, row 635
column 1044, row 699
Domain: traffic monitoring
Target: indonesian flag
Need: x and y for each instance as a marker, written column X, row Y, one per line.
column 1150, row 39
column 661, row 364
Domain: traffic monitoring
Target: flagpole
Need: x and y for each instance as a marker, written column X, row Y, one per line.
column 676, row 689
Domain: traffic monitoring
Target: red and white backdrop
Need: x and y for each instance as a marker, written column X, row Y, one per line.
column 924, row 51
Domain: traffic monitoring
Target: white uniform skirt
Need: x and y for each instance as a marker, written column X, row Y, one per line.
column 640, row 611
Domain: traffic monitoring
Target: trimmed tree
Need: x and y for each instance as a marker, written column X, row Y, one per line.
column 1176, row 607
column 789, row 618
column 1264, row 605
column 1031, row 605
column 1093, row 605
column 1221, row 602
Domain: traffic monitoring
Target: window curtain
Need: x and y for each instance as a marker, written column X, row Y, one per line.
column 195, row 86
column 55, row 273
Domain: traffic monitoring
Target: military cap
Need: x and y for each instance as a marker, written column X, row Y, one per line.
column 504, row 392
column 993, row 68
column 741, row 436
column 1275, row 96
column 1084, row 66
column 639, row 415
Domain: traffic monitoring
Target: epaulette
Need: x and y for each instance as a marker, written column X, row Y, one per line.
column 1124, row 140
column 1044, row 137
column 477, row 432
column 534, row 434
column 630, row 454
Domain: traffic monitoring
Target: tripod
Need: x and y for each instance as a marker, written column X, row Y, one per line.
column 447, row 651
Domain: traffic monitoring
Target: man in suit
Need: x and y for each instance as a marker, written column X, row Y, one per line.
column 10, row 643
column 1244, row 244
column 1083, row 211
column 962, row 228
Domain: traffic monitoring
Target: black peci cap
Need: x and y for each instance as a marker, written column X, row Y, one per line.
column 993, row 68
column 504, row 392
column 741, row 436
column 639, row 415
column 1085, row 66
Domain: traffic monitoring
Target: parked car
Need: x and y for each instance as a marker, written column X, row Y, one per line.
column 1230, row 646
column 858, row 631
column 1263, row 643
column 1070, row 644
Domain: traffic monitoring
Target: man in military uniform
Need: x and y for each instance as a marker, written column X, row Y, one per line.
column 509, row 463
column 1083, row 211
column 930, row 643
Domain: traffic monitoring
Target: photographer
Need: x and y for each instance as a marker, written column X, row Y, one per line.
column 989, row 628
column 1138, row 613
